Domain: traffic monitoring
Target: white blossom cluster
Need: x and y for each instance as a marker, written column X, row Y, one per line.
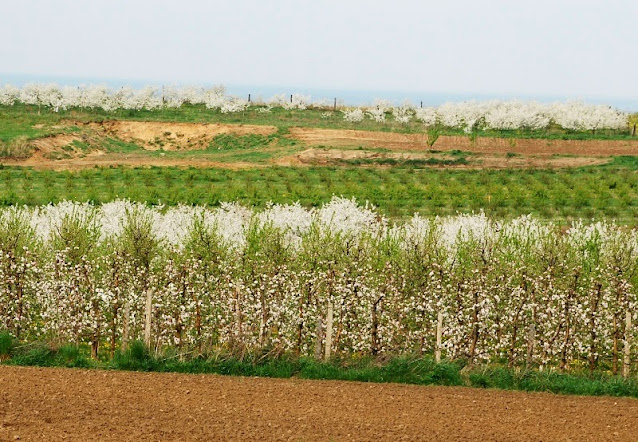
column 148, row 98
column 499, row 115
column 353, row 115
column 468, row 115
column 239, row 279
column 294, row 101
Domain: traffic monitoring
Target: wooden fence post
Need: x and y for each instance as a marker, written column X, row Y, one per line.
column 147, row 318
column 627, row 349
column 249, row 98
column 439, row 335
column 335, row 105
column 319, row 337
column 329, row 318
column 125, row 325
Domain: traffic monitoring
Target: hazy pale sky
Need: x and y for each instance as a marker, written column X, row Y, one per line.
column 560, row 47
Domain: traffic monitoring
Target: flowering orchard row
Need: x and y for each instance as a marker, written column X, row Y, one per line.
column 469, row 116
column 339, row 279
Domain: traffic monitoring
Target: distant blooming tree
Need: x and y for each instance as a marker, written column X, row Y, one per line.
column 468, row 116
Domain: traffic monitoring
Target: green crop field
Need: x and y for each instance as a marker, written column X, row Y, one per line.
column 594, row 192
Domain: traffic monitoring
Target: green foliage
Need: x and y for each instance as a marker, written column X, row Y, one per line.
column 6, row 344
column 235, row 142
column 17, row 149
column 118, row 146
column 433, row 135
column 16, row 234
column 77, row 235
column 554, row 382
column 609, row 191
column 70, row 356
column 138, row 240
column 137, row 357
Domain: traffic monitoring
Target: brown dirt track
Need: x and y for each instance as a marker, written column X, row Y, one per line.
column 56, row 404
column 327, row 157
column 100, row 159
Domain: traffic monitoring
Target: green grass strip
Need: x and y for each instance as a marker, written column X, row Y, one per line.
column 405, row 370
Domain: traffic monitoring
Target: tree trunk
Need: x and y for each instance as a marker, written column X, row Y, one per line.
column 95, row 343
column 299, row 329
column 592, row 330
column 375, row 328
column 531, row 341
column 614, row 356
column 627, row 349
column 198, row 325
column 113, row 329
column 439, row 337
column 238, row 318
column 475, row 328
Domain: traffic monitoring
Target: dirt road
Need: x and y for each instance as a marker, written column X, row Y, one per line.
column 56, row 404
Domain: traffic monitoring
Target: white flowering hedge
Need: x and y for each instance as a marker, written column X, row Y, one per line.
column 468, row 116
column 241, row 280
column 506, row 115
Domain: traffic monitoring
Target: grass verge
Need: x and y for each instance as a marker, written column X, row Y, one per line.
column 404, row 370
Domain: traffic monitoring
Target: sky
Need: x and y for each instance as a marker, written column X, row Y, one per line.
column 567, row 48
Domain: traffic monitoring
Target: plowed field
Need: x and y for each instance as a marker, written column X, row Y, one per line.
column 56, row 404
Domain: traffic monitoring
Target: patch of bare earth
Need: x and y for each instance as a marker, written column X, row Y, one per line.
column 53, row 404
column 325, row 157
column 53, row 143
column 398, row 141
column 155, row 135
column 102, row 159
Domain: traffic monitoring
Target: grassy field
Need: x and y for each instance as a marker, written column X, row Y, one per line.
column 19, row 120
column 605, row 191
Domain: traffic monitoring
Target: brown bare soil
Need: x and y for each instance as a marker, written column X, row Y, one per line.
column 53, row 143
column 397, row 141
column 59, row 152
column 55, row 404
column 323, row 157
column 102, row 159
column 155, row 135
